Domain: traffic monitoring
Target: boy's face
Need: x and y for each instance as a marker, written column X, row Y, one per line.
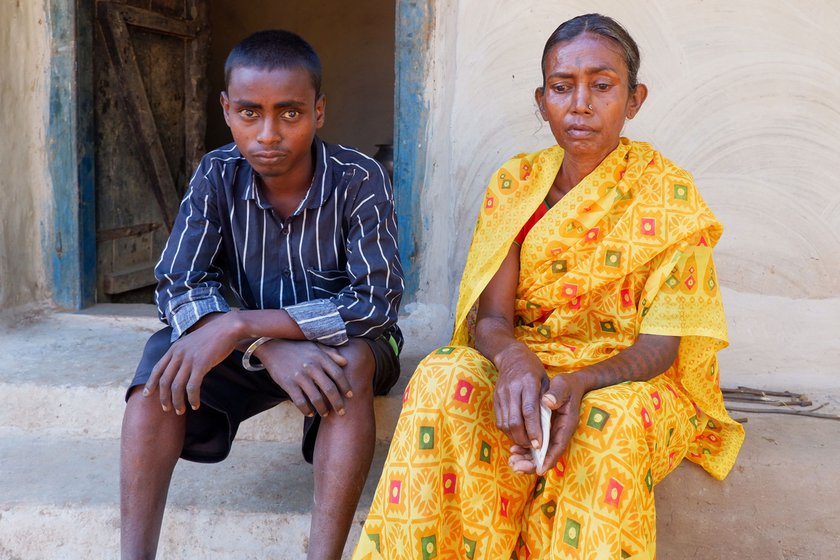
column 273, row 116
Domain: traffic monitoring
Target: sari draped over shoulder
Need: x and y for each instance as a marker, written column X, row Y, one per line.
column 627, row 251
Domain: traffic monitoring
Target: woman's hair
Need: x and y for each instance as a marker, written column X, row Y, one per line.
column 605, row 27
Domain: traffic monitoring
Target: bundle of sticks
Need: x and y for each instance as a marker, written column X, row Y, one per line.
column 775, row 402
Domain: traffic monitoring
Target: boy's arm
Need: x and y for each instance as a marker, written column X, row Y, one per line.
column 189, row 286
column 368, row 306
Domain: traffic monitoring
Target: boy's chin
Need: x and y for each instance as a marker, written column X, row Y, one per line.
column 269, row 171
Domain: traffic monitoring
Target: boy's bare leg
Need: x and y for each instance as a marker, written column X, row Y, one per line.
column 342, row 458
column 151, row 444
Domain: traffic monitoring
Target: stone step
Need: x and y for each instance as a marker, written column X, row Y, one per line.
column 96, row 412
column 59, row 500
column 66, row 373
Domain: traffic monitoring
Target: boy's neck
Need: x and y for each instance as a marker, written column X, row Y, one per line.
column 285, row 192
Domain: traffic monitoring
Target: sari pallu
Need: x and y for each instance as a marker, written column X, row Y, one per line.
column 627, row 251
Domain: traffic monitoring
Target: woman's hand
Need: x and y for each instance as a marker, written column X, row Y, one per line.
column 564, row 395
column 516, row 398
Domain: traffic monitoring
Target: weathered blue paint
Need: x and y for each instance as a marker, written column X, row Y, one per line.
column 85, row 151
column 69, row 234
column 413, row 29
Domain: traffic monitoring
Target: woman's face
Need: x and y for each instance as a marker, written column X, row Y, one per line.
column 585, row 98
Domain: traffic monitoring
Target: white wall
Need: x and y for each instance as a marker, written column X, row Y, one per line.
column 24, row 182
column 744, row 95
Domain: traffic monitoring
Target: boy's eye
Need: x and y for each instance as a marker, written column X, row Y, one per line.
column 291, row 113
column 248, row 113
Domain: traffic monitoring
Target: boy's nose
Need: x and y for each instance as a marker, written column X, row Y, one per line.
column 269, row 133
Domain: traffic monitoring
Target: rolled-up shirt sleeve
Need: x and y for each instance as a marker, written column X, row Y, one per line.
column 319, row 320
column 188, row 277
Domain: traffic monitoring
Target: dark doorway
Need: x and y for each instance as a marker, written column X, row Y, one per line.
column 157, row 77
column 355, row 41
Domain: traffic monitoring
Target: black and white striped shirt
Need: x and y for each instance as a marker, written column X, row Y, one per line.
column 333, row 265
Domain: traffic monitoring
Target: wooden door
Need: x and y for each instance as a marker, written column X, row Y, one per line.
column 149, row 80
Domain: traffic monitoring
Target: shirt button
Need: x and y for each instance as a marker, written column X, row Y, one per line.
column 286, row 272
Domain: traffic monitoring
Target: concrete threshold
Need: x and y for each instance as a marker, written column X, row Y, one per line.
column 62, row 377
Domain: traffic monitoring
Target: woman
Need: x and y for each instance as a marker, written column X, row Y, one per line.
column 593, row 289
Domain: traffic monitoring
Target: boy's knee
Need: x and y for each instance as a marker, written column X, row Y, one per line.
column 145, row 415
column 361, row 364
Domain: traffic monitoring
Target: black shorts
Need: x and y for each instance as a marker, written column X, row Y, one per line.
column 231, row 394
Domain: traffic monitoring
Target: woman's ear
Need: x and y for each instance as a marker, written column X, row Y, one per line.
column 637, row 99
column 539, row 98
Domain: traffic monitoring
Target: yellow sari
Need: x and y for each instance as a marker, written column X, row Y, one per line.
column 626, row 251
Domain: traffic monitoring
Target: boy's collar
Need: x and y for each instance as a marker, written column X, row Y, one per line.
column 316, row 195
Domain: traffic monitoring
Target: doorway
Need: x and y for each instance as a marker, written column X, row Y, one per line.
column 355, row 41
column 157, row 74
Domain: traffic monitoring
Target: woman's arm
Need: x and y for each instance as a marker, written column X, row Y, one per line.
column 649, row 356
column 521, row 374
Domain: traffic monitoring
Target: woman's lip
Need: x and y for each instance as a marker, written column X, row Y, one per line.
column 580, row 131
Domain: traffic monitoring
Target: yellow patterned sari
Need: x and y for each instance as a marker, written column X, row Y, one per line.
column 626, row 251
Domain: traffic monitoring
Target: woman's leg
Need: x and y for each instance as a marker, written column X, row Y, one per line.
column 447, row 490
column 599, row 501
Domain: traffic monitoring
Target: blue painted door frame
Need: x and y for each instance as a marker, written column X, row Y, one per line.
column 69, row 243
column 69, row 238
column 415, row 19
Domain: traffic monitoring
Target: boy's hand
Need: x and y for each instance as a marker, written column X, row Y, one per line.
column 311, row 373
column 179, row 373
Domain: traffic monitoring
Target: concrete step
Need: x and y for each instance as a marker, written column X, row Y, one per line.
column 60, row 500
column 62, row 377
column 66, row 374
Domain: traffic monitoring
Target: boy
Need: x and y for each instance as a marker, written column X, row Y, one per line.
column 304, row 235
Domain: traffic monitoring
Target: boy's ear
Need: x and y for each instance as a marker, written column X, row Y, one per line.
column 320, row 110
column 225, row 102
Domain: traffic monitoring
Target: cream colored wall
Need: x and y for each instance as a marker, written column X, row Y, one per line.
column 24, row 182
column 744, row 95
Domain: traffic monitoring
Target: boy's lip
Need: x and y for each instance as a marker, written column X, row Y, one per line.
column 270, row 155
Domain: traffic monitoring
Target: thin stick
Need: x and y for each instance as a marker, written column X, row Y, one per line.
column 810, row 413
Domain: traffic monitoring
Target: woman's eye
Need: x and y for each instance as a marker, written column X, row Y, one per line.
column 561, row 88
column 602, row 87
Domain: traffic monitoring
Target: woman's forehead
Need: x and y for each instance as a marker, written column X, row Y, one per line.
column 588, row 51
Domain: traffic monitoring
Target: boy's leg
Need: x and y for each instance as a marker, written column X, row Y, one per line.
column 342, row 457
column 151, row 443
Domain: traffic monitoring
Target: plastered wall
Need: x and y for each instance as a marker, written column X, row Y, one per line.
column 742, row 94
column 24, row 184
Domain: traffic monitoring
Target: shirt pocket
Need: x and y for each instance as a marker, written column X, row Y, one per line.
column 326, row 283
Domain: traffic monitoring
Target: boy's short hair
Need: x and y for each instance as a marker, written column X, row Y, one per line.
column 272, row 49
